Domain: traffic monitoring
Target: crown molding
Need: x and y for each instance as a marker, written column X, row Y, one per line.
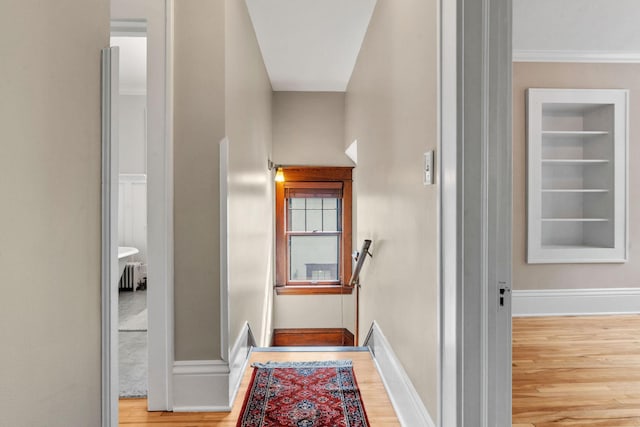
column 523, row 55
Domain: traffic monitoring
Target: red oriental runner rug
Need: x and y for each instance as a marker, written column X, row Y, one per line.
column 303, row 394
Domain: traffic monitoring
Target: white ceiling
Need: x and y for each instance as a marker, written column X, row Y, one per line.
column 133, row 64
column 310, row 45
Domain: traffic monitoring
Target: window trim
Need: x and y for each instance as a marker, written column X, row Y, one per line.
column 326, row 177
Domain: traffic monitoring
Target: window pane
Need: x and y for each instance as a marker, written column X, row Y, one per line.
column 296, row 220
column 296, row 203
column 330, row 220
column 313, row 258
column 314, row 203
column 329, row 203
column 313, row 214
column 314, row 220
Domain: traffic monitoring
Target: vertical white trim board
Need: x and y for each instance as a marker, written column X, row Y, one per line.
column 224, row 249
column 449, row 295
column 404, row 397
column 109, row 236
column 574, row 302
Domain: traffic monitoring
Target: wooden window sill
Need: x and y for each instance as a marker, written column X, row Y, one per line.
column 314, row 290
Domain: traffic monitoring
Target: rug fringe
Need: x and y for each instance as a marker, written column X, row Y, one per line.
column 311, row 364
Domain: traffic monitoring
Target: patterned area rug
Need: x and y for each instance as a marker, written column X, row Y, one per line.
column 303, row 394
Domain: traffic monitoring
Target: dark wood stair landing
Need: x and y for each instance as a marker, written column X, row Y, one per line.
column 312, row 337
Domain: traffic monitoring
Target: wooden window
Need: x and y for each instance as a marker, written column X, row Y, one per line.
column 313, row 230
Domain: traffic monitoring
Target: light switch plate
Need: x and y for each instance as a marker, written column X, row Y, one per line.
column 428, row 168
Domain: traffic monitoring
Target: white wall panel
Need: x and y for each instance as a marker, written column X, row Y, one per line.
column 132, row 213
column 132, row 157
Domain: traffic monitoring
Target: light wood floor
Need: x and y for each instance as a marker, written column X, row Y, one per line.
column 133, row 412
column 576, row 371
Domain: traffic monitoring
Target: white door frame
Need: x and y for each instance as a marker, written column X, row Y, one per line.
column 109, row 263
column 475, row 173
column 448, row 294
column 158, row 15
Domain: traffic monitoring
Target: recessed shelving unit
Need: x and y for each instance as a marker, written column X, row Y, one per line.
column 577, row 175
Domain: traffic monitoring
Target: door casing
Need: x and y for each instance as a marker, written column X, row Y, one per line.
column 158, row 15
column 475, row 236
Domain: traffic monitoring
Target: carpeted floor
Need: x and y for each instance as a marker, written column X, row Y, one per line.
column 132, row 345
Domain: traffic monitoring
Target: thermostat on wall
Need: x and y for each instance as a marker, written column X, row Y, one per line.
column 428, row 168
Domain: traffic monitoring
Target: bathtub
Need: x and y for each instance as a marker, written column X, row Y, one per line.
column 124, row 253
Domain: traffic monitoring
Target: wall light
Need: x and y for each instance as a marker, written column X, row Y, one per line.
column 279, row 175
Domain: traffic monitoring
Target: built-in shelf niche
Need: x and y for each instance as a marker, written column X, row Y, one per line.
column 577, row 177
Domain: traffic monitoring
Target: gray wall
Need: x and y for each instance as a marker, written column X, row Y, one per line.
column 50, row 216
column 199, row 126
column 221, row 89
column 588, row 76
column 308, row 129
column 392, row 112
column 248, row 128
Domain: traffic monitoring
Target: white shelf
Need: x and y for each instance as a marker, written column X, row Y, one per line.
column 573, row 247
column 574, row 190
column 577, row 175
column 574, row 133
column 575, row 220
column 566, row 162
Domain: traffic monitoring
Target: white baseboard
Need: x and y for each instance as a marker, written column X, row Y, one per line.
column 211, row 385
column 201, row 386
column 238, row 359
column 405, row 399
column 573, row 302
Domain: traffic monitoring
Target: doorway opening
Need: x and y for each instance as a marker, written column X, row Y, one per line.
column 576, row 315
column 133, row 364
column 150, row 172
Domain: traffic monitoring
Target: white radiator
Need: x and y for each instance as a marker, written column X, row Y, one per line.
column 130, row 276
